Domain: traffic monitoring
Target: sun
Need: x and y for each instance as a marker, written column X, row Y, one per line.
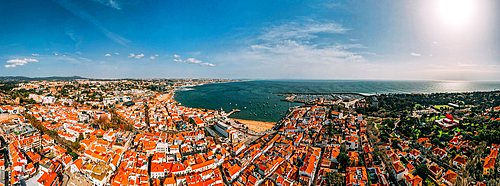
column 456, row 12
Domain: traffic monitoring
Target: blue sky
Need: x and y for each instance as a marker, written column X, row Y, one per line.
column 397, row 40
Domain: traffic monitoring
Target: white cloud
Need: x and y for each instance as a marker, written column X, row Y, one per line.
column 34, row 54
column 332, row 5
column 197, row 53
column 131, row 55
column 192, row 60
column 78, row 52
column 31, row 60
column 139, row 56
column 83, row 14
column 415, row 54
column 110, row 3
column 207, row 64
column 56, row 53
column 176, row 56
column 152, row 57
column 117, row 53
column 19, row 62
column 470, row 64
column 156, row 55
column 107, row 55
column 431, row 55
column 300, row 49
column 305, row 30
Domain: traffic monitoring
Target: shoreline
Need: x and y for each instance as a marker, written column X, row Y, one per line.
column 176, row 88
column 257, row 126
column 254, row 125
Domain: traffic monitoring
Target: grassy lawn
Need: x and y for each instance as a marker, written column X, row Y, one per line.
column 429, row 182
column 435, row 118
column 416, row 131
column 441, row 107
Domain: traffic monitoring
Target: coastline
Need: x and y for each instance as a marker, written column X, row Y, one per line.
column 253, row 125
column 244, row 114
column 256, row 126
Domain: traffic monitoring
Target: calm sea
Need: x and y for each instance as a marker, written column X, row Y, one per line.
column 256, row 102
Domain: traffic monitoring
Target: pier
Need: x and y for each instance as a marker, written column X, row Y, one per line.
column 232, row 112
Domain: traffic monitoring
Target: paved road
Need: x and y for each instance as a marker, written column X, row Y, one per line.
column 33, row 181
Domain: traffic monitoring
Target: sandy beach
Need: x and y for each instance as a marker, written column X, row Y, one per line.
column 165, row 97
column 256, row 126
column 8, row 117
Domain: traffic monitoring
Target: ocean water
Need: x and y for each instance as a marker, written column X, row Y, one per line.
column 262, row 105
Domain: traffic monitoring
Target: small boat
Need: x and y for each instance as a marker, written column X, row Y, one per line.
column 244, row 107
column 236, row 104
column 250, row 102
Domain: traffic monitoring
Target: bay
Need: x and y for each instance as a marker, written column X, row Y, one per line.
column 262, row 105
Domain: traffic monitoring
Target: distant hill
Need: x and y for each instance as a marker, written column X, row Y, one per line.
column 24, row 78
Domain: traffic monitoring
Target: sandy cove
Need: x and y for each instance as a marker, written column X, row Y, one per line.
column 256, row 126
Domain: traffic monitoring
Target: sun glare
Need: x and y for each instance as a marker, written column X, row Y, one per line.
column 456, row 12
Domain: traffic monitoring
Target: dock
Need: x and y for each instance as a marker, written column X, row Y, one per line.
column 232, row 112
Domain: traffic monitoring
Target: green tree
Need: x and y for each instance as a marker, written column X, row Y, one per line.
column 344, row 160
column 80, row 137
column 436, row 142
column 422, row 171
column 334, row 179
column 389, row 122
column 395, row 143
column 75, row 145
column 445, row 137
column 453, row 153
